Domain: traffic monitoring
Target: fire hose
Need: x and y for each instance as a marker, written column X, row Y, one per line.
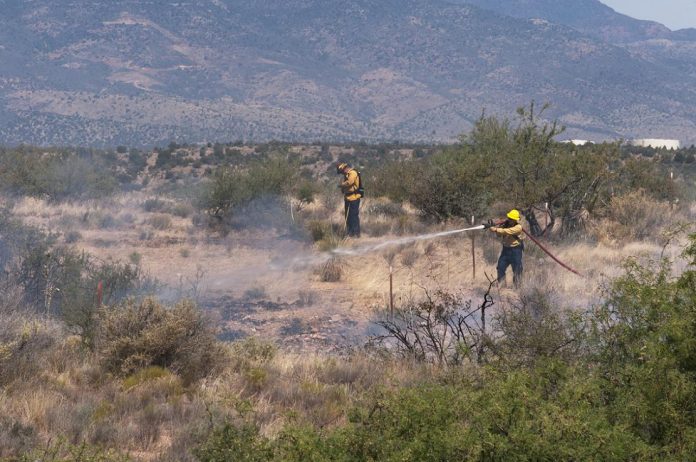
column 545, row 250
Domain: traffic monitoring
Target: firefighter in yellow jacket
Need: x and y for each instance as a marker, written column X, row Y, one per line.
column 513, row 247
column 351, row 188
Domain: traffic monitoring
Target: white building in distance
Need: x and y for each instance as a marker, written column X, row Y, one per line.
column 656, row 143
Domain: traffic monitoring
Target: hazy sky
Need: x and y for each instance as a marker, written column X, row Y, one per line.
column 675, row 14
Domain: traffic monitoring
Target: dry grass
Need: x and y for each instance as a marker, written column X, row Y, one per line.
column 634, row 217
column 331, row 271
column 152, row 414
column 57, row 389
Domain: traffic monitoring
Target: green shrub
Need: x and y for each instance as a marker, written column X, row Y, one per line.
column 135, row 258
column 251, row 352
column 135, row 335
column 306, row 191
column 645, row 175
column 231, row 189
column 644, row 337
column 24, row 342
column 145, row 375
column 235, row 444
column 64, row 452
column 318, row 229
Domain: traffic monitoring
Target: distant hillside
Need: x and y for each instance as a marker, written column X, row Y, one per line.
column 144, row 72
column 591, row 17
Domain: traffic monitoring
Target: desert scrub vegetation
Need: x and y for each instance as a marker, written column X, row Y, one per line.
column 636, row 216
column 519, row 164
column 59, row 175
column 230, row 188
column 616, row 383
column 613, row 382
column 134, row 336
column 59, row 280
column 135, row 377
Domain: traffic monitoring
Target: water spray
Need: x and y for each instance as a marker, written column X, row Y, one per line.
column 401, row 241
column 408, row 240
column 362, row 250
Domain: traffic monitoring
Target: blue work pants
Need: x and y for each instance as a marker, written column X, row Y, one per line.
column 511, row 256
column 352, row 211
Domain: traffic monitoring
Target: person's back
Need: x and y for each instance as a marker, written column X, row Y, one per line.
column 350, row 186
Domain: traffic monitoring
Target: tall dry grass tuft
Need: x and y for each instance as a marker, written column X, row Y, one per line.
column 331, row 271
column 26, row 343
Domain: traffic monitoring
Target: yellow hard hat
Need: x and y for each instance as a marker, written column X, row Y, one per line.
column 514, row 215
column 340, row 167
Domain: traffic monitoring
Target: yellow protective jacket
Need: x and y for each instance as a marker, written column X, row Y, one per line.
column 350, row 185
column 512, row 237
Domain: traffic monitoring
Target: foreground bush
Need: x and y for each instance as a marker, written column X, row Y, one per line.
column 137, row 335
column 63, row 452
column 60, row 280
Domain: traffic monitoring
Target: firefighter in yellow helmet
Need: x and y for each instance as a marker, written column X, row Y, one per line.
column 513, row 247
column 352, row 193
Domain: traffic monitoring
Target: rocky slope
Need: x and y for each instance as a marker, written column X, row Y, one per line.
column 147, row 72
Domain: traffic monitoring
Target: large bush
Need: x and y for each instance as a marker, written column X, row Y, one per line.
column 231, row 189
column 636, row 215
column 136, row 335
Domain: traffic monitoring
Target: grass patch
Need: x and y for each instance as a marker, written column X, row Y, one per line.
column 160, row 222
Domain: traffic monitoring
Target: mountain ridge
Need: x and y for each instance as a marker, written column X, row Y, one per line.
column 591, row 17
column 124, row 72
